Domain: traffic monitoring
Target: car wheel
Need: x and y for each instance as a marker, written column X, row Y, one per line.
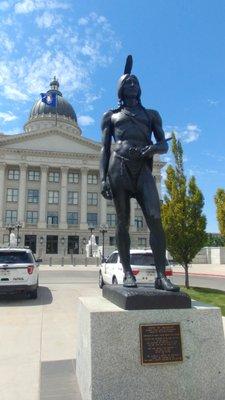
column 33, row 294
column 100, row 280
column 114, row 281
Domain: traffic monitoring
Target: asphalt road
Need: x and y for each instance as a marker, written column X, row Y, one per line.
column 90, row 277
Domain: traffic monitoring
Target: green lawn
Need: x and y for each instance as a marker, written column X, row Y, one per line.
column 209, row 296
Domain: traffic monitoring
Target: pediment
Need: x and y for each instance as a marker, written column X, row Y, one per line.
column 52, row 141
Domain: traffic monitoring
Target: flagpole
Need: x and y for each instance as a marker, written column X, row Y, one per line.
column 56, row 99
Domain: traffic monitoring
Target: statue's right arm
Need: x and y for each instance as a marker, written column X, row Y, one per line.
column 107, row 132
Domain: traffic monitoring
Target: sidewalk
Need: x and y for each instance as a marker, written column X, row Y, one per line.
column 216, row 270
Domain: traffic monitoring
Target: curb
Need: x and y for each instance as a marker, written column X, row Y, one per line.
column 200, row 274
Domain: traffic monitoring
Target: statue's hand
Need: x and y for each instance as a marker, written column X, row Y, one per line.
column 148, row 151
column 106, row 191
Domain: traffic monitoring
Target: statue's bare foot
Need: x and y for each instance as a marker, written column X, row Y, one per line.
column 129, row 280
column 164, row 283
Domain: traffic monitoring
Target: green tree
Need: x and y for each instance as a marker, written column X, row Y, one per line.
column 220, row 210
column 215, row 240
column 182, row 217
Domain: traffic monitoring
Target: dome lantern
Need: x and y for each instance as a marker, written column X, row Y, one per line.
column 43, row 115
column 54, row 85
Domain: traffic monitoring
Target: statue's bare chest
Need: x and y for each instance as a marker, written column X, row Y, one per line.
column 129, row 125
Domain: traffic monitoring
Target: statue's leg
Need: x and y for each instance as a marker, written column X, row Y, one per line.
column 148, row 199
column 122, row 205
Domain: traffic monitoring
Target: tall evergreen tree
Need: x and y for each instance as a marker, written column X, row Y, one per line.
column 220, row 210
column 182, row 217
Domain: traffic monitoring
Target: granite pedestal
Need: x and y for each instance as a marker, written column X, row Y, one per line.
column 108, row 359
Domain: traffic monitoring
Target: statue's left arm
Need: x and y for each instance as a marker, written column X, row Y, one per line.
column 161, row 146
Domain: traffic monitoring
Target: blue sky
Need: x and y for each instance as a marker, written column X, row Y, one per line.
column 179, row 58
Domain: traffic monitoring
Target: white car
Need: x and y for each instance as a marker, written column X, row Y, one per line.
column 19, row 271
column 142, row 264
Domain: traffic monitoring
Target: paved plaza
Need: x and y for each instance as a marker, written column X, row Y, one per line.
column 38, row 340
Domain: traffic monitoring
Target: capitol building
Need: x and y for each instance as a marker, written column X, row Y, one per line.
column 50, row 185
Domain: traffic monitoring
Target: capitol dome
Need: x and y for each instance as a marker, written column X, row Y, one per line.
column 43, row 115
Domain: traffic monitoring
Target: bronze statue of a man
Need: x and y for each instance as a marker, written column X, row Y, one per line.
column 126, row 172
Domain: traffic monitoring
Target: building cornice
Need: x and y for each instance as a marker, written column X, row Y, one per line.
column 47, row 154
column 23, row 137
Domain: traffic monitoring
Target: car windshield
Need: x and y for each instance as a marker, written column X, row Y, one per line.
column 15, row 257
column 142, row 259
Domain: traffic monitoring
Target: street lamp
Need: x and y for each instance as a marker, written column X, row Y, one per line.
column 91, row 228
column 62, row 243
column 41, row 240
column 18, row 225
column 103, row 230
column 84, row 241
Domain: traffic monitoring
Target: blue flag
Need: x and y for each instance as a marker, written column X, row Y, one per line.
column 49, row 99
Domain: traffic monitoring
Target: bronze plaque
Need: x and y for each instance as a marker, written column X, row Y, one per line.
column 160, row 343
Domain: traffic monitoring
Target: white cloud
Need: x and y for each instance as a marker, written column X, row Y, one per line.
column 85, row 120
column 212, row 103
column 191, row 133
column 14, row 93
column 47, row 20
column 7, row 116
column 71, row 52
column 4, row 5
column 7, row 21
column 27, row 6
column 5, row 42
column 83, row 21
column 188, row 134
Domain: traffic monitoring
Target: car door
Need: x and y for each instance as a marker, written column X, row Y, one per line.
column 109, row 266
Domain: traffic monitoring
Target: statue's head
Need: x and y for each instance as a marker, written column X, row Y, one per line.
column 128, row 85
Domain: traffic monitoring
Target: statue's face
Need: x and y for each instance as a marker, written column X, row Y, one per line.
column 131, row 87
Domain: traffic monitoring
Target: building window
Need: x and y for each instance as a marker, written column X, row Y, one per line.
column 92, row 219
column 112, row 241
column 53, row 177
column 72, row 197
column 32, row 217
column 52, row 218
column 73, row 177
column 72, row 218
column 33, row 196
column 92, row 179
column 138, row 222
column 92, row 199
column 10, row 216
column 53, row 197
column 142, row 242
column 5, row 239
column 52, row 244
column 12, row 195
column 111, row 220
column 33, row 175
column 14, row 174
column 73, row 245
column 31, row 241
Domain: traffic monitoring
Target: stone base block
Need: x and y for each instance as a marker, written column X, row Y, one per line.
column 108, row 359
column 145, row 297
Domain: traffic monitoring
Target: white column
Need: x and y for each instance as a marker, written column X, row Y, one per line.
column 83, row 199
column 132, row 215
column 22, row 193
column 2, row 193
column 63, row 203
column 43, row 195
column 103, row 210
column 158, row 185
